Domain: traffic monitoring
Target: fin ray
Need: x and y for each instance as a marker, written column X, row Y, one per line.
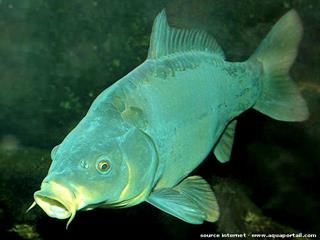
column 223, row 148
column 192, row 201
column 166, row 40
column 280, row 98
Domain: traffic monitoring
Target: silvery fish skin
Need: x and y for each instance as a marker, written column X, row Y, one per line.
column 143, row 135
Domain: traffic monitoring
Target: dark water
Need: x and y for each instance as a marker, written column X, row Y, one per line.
column 56, row 56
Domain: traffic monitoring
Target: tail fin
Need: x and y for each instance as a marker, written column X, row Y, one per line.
column 280, row 98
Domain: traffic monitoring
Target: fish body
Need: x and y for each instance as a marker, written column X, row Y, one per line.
column 187, row 100
column 143, row 135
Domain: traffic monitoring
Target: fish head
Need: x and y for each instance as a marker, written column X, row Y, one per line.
column 98, row 164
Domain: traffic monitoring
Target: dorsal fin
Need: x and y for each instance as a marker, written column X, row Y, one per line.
column 166, row 40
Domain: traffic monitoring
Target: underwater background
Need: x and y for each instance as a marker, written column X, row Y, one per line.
column 57, row 56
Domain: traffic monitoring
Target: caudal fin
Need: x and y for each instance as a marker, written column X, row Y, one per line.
column 280, row 98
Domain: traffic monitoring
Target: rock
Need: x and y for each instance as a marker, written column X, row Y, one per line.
column 25, row 231
column 239, row 214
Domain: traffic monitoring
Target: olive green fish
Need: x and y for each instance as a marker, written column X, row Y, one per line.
column 143, row 135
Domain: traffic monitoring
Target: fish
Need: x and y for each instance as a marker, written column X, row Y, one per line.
column 144, row 135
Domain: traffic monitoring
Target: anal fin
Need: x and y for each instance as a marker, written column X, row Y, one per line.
column 223, row 148
column 192, row 201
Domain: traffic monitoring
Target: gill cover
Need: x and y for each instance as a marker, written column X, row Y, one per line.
column 141, row 158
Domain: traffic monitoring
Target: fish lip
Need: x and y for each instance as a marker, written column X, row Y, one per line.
column 52, row 206
column 55, row 203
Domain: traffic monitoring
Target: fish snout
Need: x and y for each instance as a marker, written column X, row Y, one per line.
column 56, row 200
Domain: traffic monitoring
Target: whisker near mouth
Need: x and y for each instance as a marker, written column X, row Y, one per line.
column 32, row 206
column 73, row 214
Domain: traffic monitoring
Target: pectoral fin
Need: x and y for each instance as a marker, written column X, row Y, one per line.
column 223, row 149
column 192, row 201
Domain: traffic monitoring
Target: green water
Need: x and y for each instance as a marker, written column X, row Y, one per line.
column 57, row 56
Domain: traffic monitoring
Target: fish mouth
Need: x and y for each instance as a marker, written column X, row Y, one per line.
column 52, row 207
column 57, row 201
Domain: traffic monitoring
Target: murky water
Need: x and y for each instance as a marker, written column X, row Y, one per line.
column 57, row 56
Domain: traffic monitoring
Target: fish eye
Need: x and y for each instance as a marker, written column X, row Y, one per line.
column 103, row 166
